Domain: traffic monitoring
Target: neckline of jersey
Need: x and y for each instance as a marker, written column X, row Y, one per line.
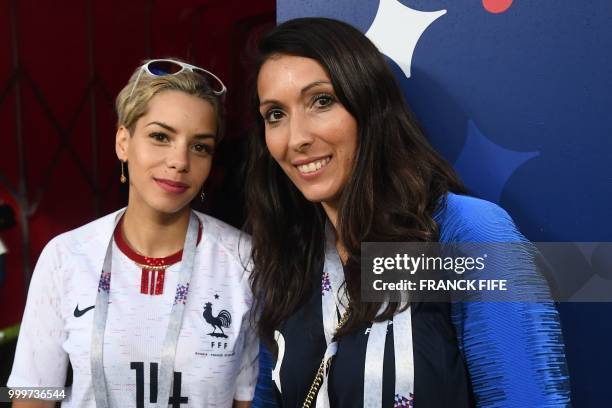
column 146, row 260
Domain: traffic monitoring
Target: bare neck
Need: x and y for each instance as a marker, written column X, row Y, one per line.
column 153, row 234
column 331, row 210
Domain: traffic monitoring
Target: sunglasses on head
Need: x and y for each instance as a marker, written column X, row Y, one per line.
column 163, row 67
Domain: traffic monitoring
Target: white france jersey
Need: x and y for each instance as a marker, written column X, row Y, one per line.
column 216, row 356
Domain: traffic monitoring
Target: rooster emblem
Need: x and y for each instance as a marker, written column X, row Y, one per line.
column 223, row 319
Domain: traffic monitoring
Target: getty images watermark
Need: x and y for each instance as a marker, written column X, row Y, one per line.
column 518, row 271
column 411, row 264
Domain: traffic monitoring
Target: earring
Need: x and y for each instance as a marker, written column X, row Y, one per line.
column 202, row 195
column 122, row 179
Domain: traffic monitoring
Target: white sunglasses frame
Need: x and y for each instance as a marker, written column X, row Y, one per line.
column 145, row 68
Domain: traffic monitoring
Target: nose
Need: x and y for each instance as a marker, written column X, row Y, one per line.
column 178, row 158
column 300, row 133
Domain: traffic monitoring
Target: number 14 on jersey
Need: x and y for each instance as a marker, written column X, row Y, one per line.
column 175, row 401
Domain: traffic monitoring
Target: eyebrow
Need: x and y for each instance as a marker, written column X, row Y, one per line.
column 169, row 128
column 314, row 85
column 302, row 92
column 203, row 136
column 161, row 124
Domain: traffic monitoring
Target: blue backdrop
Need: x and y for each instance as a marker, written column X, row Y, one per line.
column 519, row 97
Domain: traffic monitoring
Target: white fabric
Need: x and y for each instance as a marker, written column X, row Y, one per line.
column 404, row 354
column 3, row 249
column 374, row 359
column 334, row 301
column 214, row 370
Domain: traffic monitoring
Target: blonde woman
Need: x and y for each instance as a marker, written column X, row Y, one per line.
column 151, row 303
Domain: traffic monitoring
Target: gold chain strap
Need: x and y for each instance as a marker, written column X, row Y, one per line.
column 323, row 367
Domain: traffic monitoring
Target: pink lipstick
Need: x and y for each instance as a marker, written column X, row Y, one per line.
column 170, row 186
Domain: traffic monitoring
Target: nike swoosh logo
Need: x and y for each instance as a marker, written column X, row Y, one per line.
column 79, row 313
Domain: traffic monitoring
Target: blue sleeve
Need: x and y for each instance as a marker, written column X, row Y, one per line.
column 264, row 391
column 514, row 350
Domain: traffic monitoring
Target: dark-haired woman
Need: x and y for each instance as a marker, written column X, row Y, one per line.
column 338, row 160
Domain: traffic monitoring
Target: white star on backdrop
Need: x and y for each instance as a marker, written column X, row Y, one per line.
column 396, row 29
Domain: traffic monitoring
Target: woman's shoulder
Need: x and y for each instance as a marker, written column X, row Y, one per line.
column 465, row 218
column 82, row 244
column 230, row 238
column 92, row 233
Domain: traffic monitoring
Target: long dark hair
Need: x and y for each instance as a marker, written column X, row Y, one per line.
column 395, row 186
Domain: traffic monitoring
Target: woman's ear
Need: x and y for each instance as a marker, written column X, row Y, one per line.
column 122, row 143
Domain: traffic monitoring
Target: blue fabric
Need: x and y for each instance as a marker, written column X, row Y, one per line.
column 514, row 350
column 264, row 391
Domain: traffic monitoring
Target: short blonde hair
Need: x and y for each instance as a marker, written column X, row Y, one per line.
column 132, row 107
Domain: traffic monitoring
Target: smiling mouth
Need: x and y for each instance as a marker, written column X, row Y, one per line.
column 313, row 166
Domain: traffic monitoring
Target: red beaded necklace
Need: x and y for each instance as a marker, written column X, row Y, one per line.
column 153, row 269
